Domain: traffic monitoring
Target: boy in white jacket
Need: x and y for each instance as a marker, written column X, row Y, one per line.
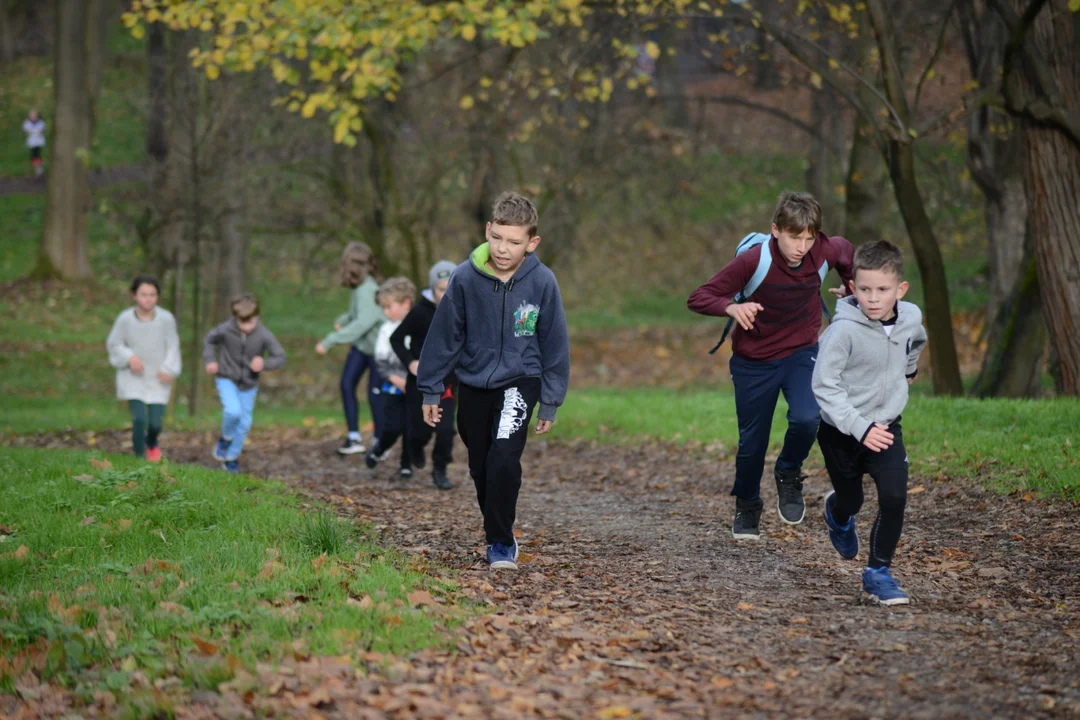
column 145, row 350
column 395, row 296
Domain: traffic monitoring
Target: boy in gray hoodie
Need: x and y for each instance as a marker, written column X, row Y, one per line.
column 236, row 352
column 866, row 360
column 500, row 327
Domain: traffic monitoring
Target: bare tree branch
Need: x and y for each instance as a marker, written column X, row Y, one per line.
column 934, row 56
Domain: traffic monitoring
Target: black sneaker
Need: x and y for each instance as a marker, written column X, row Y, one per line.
column 351, row 447
column 419, row 461
column 373, row 456
column 789, row 500
column 441, row 481
column 747, row 519
column 405, row 473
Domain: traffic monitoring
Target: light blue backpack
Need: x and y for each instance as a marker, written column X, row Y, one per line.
column 764, row 263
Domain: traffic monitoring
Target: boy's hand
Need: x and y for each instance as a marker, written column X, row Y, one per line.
column 542, row 426
column 840, row 292
column 744, row 313
column 337, row 327
column 320, row 349
column 879, row 438
column 414, row 366
column 135, row 364
column 257, row 364
column 211, row 368
column 164, row 377
column 398, row 382
column 432, row 414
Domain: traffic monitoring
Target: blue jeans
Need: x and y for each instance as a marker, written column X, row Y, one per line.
column 757, row 388
column 238, row 406
column 355, row 365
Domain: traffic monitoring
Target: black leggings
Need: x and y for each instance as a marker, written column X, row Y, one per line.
column 847, row 460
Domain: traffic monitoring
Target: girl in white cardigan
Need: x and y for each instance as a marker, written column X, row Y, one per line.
column 144, row 347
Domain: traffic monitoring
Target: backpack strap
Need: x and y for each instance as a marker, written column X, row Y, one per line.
column 822, row 272
column 764, row 263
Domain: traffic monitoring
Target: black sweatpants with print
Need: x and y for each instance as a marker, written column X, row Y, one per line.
column 847, row 459
column 494, row 425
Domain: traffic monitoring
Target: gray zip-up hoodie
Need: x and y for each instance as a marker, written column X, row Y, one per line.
column 494, row 333
column 237, row 350
column 861, row 374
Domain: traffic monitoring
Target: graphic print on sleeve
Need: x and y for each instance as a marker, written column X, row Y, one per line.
column 525, row 319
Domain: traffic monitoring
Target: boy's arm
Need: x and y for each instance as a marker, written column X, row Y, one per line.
column 407, row 328
column 918, row 344
column 841, row 258
column 119, row 353
column 171, row 365
column 833, row 352
column 212, row 339
column 554, row 341
column 713, row 297
column 274, row 356
column 444, row 343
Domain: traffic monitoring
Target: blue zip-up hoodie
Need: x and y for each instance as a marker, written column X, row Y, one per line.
column 494, row 333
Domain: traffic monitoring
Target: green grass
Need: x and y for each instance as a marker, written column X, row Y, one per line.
column 1009, row 444
column 126, row 567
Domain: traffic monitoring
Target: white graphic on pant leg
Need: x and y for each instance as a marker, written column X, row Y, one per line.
column 514, row 412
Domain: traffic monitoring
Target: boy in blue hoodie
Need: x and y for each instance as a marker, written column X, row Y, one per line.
column 500, row 327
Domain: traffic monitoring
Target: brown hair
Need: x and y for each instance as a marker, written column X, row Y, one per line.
column 512, row 208
column 245, row 306
column 797, row 211
column 396, row 289
column 357, row 262
column 878, row 255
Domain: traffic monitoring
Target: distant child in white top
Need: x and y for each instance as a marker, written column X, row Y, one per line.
column 34, row 127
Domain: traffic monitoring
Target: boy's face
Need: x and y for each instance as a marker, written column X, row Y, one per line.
column 396, row 310
column 794, row 245
column 33, row 116
column 247, row 326
column 508, row 245
column 439, row 289
column 146, row 297
column 877, row 292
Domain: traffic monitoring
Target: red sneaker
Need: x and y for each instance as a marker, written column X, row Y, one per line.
column 153, row 455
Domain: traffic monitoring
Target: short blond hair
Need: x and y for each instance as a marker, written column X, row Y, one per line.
column 396, row 289
column 797, row 211
column 245, row 306
column 513, row 208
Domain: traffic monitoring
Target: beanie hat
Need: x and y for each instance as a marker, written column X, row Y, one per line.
column 440, row 271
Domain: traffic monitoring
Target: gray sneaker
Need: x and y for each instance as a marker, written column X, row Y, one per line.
column 789, row 500
column 747, row 519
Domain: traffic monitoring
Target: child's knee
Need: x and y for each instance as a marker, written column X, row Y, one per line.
column 805, row 424
column 893, row 500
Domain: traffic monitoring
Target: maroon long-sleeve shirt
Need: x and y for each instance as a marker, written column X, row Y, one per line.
column 791, row 318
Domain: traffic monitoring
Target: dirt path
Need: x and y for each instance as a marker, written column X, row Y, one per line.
column 633, row 598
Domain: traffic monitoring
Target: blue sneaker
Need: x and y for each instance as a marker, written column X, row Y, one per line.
column 232, row 466
column 882, row 588
column 221, row 448
column 502, row 557
column 844, row 538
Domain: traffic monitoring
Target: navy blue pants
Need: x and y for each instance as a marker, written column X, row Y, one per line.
column 757, row 388
column 355, row 365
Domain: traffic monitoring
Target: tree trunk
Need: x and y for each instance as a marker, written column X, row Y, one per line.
column 900, row 156
column 157, row 146
column 865, row 187
column 1052, row 182
column 67, row 199
column 669, row 81
column 8, row 9
column 943, row 361
column 1006, row 226
column 97, row 32
column 1017, row 338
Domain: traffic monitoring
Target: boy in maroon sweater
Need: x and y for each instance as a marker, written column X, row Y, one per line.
column 774, row 346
